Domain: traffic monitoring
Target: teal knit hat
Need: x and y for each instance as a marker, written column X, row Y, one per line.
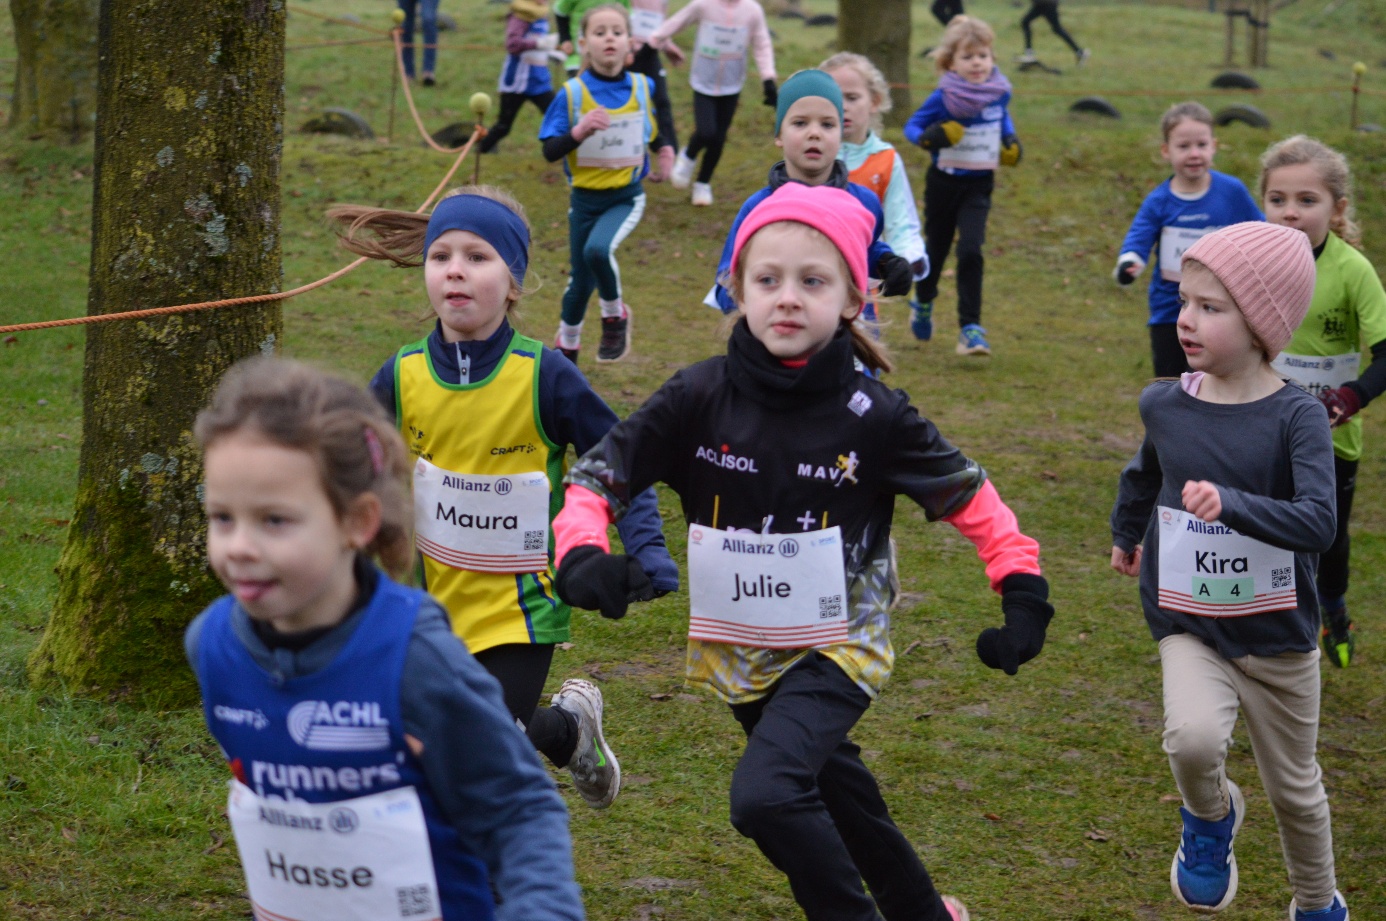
column 806, row 83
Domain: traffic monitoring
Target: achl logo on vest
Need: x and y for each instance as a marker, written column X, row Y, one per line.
column 343, row 726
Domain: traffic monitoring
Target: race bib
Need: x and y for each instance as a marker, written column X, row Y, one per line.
column 1173, row 242
column 979, row 148
column 482, row 523
column 777, row 591
column 1317, row 373
column 719, row 59
column 535, row 57
column 1212, row 571
column 643, row 23
column 620, row 146
column 363, row 859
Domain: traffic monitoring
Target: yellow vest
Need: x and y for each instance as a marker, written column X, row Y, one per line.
column 489, row 427
column 580, row 102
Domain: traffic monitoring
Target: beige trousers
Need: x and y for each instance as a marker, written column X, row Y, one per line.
column 1279, row 697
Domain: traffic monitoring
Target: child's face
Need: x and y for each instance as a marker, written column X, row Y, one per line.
column 606, row 42
column 973, row 63
column 794, row 291
column 1189, row 150
column 468, row 285
column 1297, row 197
column 857, row 107
column 810, row 135
column 1212, row 330
column 273, row 538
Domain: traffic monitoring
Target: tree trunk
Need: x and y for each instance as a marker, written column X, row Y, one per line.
column 880, row 29
column 55, row 76
column 186, row 209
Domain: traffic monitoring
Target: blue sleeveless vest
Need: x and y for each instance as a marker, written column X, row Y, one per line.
column 335, row 734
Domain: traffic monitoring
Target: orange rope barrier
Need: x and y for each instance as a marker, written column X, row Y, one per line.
column 249, row 299
column 414, row 111
column 335, row 21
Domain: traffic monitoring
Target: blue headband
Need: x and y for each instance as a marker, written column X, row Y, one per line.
column 488, row 219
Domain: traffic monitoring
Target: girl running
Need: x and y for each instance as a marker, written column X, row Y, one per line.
column 488, row 415
column 599, row 125
column 1222, row 514
column 1306, row 185
column 525, row 77
column 340, row 698
column 967, row 129
column 791, row 574
column 1195, row 201
column 729, row 31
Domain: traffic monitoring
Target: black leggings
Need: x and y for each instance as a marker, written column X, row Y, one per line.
column 522, row 669
column 956, row 204
column 648, row 62
column 1166, row 354
column 712, row 119
column 510, row 105
column 1048, row 10
column 1333, row 563
column 945, row 10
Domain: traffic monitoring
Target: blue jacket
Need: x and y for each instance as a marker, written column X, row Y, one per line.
column 933, row 111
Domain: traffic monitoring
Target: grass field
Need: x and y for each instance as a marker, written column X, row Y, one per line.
column 1040, row 796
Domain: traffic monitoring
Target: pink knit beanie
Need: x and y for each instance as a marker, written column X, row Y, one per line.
column 835, row 213
column 1269, row 271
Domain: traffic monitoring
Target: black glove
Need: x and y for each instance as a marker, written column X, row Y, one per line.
column 597, row 581
column 895, row 274
column 772, row 93
column 942, row 134
column 1024, row 600
column 1126, row 271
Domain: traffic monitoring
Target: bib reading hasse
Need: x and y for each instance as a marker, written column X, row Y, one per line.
column 777, row 591
column 482, row 523
column 363, row 859
column 1212, row 571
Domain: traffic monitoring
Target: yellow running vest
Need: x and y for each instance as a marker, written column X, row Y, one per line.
column 614, row 157
column 485, row 429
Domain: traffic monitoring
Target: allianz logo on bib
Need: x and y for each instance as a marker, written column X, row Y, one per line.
column 726, row 460
column 255, row 719
column 343, row 726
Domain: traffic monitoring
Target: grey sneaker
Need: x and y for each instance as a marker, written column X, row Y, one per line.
column 596, row 772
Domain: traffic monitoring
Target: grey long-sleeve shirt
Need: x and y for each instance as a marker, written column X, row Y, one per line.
column 1272, row 461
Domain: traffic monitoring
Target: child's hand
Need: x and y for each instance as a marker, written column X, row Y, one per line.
column 566, row 47
column 1128, row 270
column 664, row 165
column 1025, row 602
column 1128, row 564
column 895, row 274
column 1342, row 403
column 546, row 42
column 1011, row 151
column 674, row 53
column 1202, row 500
column 772, row 93
column 594, row 580
column 597, row 120
column 941, row 135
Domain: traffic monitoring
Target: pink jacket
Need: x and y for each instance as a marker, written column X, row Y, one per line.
column 731, row 13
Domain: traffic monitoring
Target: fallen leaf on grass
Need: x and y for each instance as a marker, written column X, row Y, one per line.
column 70, row 835
column 662, row 696
column 991, row 817
column 217, row 842
column 1095, row 835
column 1171, row 798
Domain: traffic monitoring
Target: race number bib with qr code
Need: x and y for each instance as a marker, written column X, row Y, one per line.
column 362, row 859
column 777, row 591
column 1212, row 571
column 482, row 523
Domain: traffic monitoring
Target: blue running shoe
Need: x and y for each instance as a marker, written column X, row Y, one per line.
column 922, row 320
column 973, row 341
column 1336, row 911
column 1204, row 873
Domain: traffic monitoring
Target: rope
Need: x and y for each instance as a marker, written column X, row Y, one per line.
column 1212, row 91
column 413, row 109
column 249, row 299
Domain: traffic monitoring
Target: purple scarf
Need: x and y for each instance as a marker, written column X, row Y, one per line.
column 967, row 100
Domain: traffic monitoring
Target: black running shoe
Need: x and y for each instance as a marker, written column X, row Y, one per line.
column 615, row 343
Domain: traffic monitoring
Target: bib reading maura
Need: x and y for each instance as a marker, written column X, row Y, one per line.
column 777, row 591
column 1212, row 571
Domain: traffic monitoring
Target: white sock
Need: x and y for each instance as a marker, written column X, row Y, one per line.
column 569, row 337
column 614, row 308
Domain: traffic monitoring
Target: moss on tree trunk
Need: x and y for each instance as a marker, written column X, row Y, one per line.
column 186, row 209
column 880, row 29
column 55, row 74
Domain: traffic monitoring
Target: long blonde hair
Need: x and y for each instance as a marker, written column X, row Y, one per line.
column 1333, row 172
column 353, row 444
column 870, row 74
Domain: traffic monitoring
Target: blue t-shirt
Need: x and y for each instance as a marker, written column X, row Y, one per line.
column 1169, row 224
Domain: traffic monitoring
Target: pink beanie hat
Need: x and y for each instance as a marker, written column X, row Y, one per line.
column 835, row 213
column 1269, row 271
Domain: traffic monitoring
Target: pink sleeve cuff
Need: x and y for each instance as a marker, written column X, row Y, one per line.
column 991, row 526
column 582, row 522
